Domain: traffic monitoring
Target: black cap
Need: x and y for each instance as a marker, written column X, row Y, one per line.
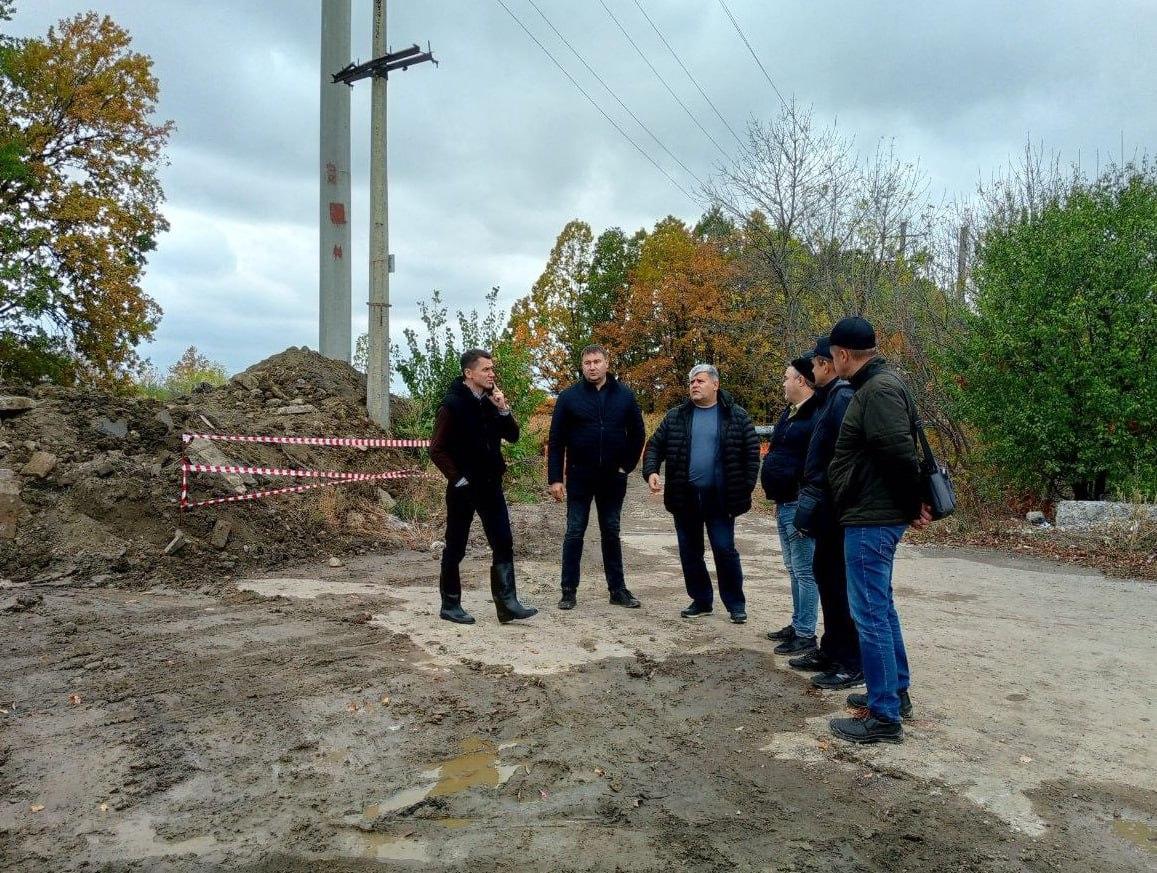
column 803, row 366
column 853, row 333
column 823, row 348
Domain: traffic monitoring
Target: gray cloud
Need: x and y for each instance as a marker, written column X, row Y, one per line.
column 494, row 151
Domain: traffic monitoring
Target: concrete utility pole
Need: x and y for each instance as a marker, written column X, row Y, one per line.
column 334, row 295
column 378, row 368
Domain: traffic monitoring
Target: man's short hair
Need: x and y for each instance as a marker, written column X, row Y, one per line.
column 470, row 357
column 703, row 368
column 594, row 349
column 862, row 354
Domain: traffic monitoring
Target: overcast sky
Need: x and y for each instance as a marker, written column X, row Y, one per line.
column 495, row 150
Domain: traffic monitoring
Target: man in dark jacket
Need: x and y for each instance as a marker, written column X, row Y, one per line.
column 875, row 483
column 711, row 452
column 781, row 475
column 837, row 660
column 598, row 427
column 466, row 446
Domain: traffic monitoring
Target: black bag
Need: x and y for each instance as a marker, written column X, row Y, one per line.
column 935, row 482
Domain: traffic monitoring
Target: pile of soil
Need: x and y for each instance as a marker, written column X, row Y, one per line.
column 90, row 481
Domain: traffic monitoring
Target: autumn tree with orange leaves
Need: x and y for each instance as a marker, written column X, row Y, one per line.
column 79, row 201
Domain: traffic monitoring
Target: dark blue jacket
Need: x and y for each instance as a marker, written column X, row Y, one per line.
column 783, row 465
column 599, row 431
column 813, row 511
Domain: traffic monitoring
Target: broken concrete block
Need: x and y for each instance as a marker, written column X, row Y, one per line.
column 118, row 428
column 178, row 542
column 295, row 409
column 221, row 533
column 39, row 465
column 13, row 405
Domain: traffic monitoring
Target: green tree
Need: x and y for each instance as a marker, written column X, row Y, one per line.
column 615, row 256
column 190, row 370
column 79, row 201
column 1058, row 371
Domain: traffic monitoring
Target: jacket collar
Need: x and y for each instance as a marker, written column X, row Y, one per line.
column 611, row 380
column 726, row 401
column 867, row 371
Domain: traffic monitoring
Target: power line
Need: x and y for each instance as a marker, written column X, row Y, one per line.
column 663, row 81
column 611, row 91
column 602, row 112
column 754, row 56
column 694, row 82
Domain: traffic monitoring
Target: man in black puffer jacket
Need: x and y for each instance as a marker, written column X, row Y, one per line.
column 782, row 472
column 472, row 422
column 711, row 452
column 598, row 427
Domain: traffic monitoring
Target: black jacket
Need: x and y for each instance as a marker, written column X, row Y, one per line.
column 468, row 434
column 739, row 450
column 598, row 431
column 813, row 511
column 875, row 469
column 783, row 465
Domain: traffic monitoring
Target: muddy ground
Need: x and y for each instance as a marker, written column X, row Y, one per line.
column 326, row 719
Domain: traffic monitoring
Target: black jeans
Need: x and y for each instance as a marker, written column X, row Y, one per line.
column 707, row 511
column 840, row 641
column 489, row 502
column 608, row 491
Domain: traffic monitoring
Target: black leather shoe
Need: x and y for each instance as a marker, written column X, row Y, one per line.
column 795, row 646
column 739, row 616
column 814, row 661
column 623, row 597
column 867, row 730
column 834, row 680
column 784, row 633
column 453, row 611
column 695, row 610
column 568, row 600
column 860, row 701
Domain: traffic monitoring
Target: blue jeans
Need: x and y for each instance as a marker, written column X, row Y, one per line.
column 869, row 553
column 707, row 512
column 607, row 492
column 798, row 556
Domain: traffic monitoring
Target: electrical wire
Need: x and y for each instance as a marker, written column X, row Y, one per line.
column 754, row 56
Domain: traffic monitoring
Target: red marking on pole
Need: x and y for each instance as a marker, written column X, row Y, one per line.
column 337, row 253
column 337, row 213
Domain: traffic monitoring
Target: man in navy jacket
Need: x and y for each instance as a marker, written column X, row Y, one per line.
column 597, row 427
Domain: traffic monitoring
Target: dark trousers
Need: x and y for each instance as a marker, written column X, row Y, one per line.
column 608, row 491
column 706, row 511
column 840, row 641
column 461, row 503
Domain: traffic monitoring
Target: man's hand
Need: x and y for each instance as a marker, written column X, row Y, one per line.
column 924, row 519
column 499, row 399
column 557, row 491
column 655, row 483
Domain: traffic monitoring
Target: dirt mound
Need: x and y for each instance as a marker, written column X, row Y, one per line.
column 89, row 482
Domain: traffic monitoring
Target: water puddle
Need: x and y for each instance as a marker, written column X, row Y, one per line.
column 305, row 589
column 455, row 823
column 1138, row 833
column 387, row 847
column 476, row 766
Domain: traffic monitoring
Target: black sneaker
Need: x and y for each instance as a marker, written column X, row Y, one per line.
column 695, row 610
column 623, row 597
column 569, row 599
column 739, row 616
column 784, row 633
column 833, row 680
column 867, row 730
column 860, row 701
column 814, row 661
column 795, row 646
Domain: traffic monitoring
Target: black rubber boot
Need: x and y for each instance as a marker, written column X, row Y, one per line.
column 506, row 596
column 450, row 587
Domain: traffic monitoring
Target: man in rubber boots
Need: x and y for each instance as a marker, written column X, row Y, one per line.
column 597, row 427
column 466, row 446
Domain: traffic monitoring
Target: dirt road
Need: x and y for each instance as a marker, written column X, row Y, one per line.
column 326, row 719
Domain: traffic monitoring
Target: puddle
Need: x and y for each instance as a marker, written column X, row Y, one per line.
column 455, row 823
column 305, row 589
column 387, row 847
column 1138, row 833
column 476, row 767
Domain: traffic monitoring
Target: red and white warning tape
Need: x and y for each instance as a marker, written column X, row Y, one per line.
column 333, row 477
column 310, row 441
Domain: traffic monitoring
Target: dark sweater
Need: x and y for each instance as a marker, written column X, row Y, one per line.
column 468, row 434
